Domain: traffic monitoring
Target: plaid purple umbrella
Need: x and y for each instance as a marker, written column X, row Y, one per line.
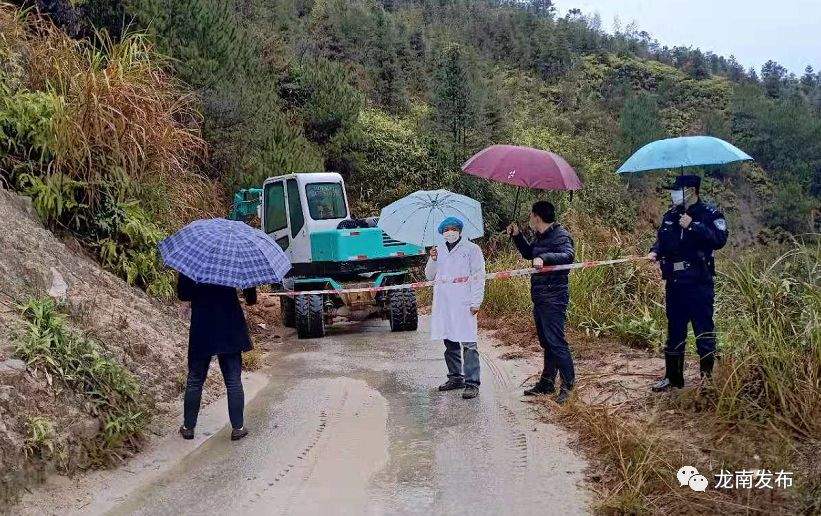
column 225, row 252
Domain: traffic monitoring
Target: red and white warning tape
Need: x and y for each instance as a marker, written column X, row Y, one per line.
column 515, row 273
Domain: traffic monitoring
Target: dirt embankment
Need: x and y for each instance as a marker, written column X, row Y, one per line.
column 146, row 336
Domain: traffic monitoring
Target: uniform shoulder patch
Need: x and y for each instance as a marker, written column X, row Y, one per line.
column 720, row 224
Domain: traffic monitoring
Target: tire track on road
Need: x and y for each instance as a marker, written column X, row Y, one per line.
column 314, row 457
column 306, row 453
column 519, row 443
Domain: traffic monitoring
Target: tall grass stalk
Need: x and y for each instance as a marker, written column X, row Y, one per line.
column 770, row 329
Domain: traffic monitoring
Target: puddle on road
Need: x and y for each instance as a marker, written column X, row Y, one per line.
column 441, row 454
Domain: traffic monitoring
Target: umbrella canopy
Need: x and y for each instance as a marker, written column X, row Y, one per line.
column 523, row 166
column 685, row 151
column 415, row 219
column 225, row 252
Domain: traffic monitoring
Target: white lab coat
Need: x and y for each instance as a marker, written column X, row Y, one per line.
column 451, row 318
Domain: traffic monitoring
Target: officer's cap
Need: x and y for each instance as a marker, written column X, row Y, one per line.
column 686, row 181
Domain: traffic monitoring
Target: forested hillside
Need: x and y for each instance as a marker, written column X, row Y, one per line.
column 383, row 90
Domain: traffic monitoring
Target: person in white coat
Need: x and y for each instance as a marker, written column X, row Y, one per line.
column 455, row 305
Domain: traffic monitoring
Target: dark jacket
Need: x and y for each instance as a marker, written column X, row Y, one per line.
column 686, row 255
column 554, row 247
column 217, row 322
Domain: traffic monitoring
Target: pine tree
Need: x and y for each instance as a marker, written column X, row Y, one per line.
column 697, row 65
column 553, row 56
column 772, row 77
column 639, row 123
column 808, row 80
column 735, row 70
column 213, row 52
column 389, row 80
column 320, row 90
column 454, row 96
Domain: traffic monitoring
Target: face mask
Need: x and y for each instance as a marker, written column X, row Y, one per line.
column 677, row 196
column 451, row 236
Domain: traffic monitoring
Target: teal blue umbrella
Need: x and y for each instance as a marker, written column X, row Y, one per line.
column 685, row 151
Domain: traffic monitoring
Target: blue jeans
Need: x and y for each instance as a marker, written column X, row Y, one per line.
column 550, row 312
column 453, row 359
column 231, row 367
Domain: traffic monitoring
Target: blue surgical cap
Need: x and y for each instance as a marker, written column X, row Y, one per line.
column 450, row 222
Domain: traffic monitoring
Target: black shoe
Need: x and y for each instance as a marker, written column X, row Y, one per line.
column 187, row 433
column 678, row 377
column 541, row 388
column 238, row 433
column 452, row 384
column 470, row 392
column 563, row 396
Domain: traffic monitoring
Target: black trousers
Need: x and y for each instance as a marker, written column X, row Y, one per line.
column 690, row 303
column 550, row 314
column 231, row 367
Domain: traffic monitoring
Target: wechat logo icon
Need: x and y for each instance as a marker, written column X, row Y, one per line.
column 689, row 476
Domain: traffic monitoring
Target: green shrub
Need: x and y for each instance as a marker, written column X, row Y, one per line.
column 69, row 359
column 394, row 162
column 27, row 122
column 790, row 209
column 55, row 196
column 126, row 240
column 40, row 439
column 88, row 131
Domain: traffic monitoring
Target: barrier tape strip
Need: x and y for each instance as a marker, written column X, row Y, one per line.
column 514, row 273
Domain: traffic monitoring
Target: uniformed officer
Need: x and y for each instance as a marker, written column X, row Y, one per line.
column 690, row 231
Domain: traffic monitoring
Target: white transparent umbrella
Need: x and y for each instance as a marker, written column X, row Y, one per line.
column 415, row 219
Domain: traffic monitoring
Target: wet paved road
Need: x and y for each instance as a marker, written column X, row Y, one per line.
column 353, row 424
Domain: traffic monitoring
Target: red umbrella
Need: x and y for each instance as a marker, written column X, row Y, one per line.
column 523, row 166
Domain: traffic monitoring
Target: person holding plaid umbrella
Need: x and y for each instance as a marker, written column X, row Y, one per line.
column 214, row 258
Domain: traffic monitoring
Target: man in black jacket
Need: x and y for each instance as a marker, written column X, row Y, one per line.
column 552, row 245
column 690, row 231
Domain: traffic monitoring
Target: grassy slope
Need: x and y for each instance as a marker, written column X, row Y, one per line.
column 762, row 411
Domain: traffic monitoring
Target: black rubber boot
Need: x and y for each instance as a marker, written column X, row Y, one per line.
column 678, row 373
column 706, row 363
column 564, row 394
column 666, row 383
column 541, row 388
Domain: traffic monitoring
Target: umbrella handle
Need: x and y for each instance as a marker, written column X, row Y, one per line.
column 515, row 213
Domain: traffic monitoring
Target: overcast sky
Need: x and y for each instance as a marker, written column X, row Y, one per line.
column 787, row 31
